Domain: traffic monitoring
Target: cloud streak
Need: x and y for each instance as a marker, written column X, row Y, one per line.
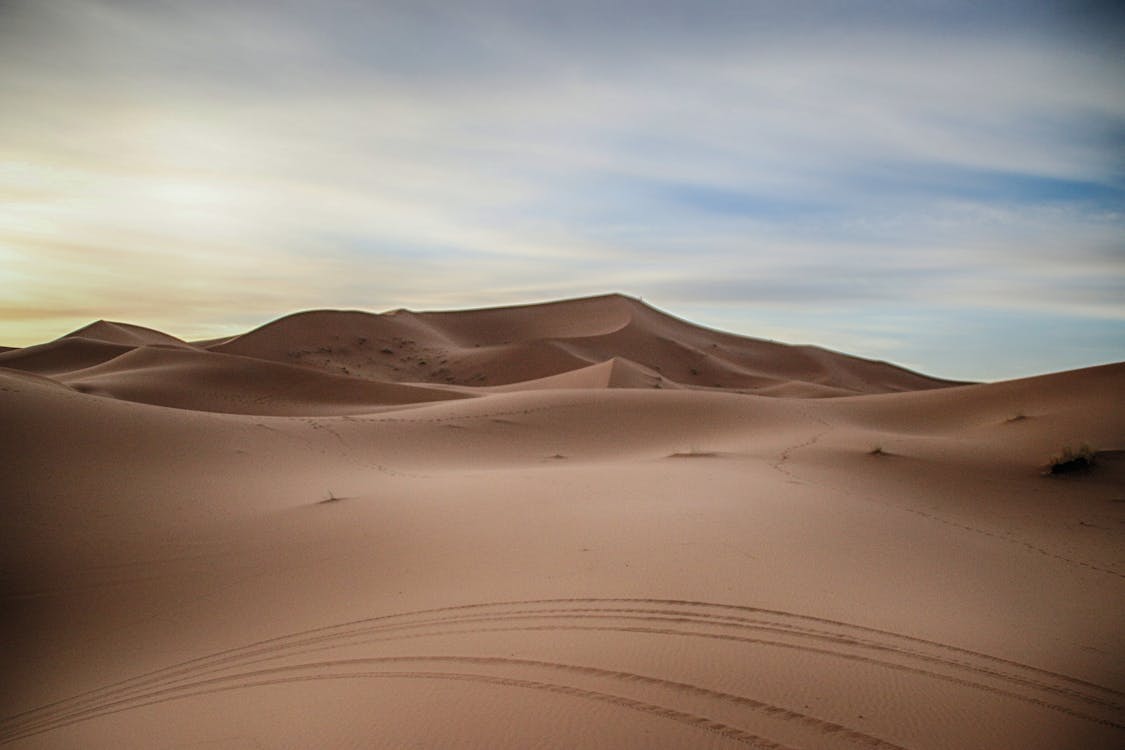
column 226, row 163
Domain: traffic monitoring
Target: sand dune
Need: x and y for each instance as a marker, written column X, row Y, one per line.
column 90, row 345
column 612, row 373
column 501, row 346
column 125, row 333
column 237, row 385
column 62, row 355
column 558, row 554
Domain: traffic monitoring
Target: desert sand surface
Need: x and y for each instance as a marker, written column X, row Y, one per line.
column 581, row 524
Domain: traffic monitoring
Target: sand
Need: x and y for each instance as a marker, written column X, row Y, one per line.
column 578, row 524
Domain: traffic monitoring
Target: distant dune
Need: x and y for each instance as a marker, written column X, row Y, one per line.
column 501, row 346
column 125, row 333
column 580, row 524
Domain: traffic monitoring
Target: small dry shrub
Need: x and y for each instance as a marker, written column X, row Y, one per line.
column 1070, row 460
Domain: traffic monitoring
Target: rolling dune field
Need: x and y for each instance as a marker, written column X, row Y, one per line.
column 584, row 523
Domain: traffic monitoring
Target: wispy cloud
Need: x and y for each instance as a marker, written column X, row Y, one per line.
column 202, row 164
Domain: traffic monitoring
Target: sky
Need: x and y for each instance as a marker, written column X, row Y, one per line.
column 937, row 184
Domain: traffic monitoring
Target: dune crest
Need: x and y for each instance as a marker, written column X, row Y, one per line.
column 208, row 381
column 509, row 345
column 125, row 334
column 568, row 343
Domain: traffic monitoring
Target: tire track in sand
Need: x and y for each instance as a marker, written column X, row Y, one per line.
column 820, row 726
column 46, row 717
column 370, row 634
column 334, row 633
column 253, row 680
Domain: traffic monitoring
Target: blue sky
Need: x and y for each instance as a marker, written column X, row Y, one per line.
column 937, row 184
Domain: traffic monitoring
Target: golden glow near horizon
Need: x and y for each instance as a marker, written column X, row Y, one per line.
column 866, row 185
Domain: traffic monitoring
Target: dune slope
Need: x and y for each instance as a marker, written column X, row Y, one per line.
column 209, row 381
column 500, row 346
column 563, row 555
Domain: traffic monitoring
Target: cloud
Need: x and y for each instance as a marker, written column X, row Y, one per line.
column 214, row 158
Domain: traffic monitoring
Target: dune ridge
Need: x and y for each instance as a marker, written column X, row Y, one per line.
column 126, row 334
column 208, row 381
column 548, row 345
column 501, row 346
column 630, row 532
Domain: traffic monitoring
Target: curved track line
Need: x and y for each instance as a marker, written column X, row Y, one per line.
column 704, row 619
column 669, row 602
column 1009, row 539
column 786, row 454
column 216, row 686
column 643, row 615
column 245, row 651
column 327, row 631
column 47, row 722
column 819, row 725
column 779, row 644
